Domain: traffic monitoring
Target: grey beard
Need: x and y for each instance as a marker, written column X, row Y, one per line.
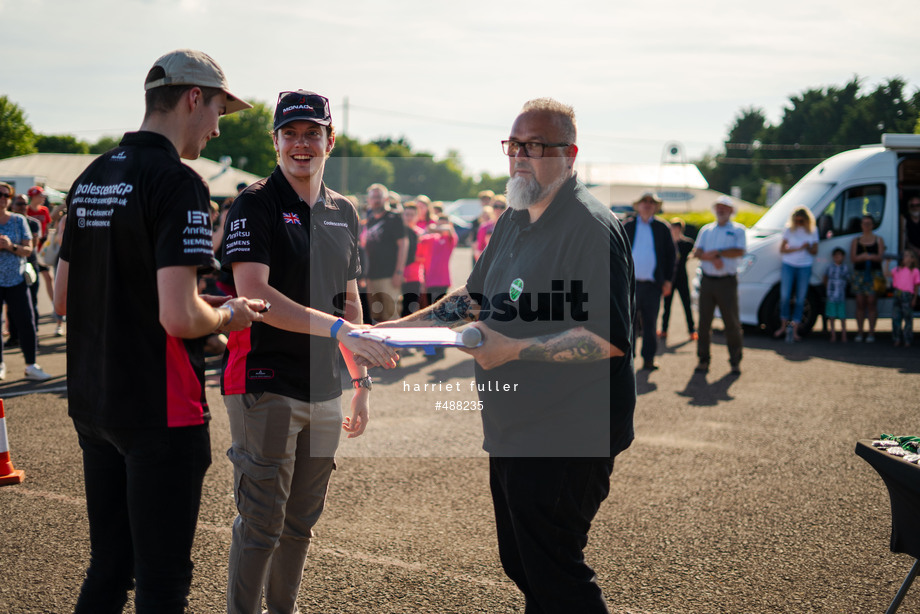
column 523, row 192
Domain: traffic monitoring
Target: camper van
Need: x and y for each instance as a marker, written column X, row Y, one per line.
column 874, row 180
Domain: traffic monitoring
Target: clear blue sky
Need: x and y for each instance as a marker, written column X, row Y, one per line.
column 452, row 76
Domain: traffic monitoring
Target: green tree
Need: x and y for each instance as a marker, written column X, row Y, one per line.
column 353, row 166
column 16, row 136
column 246, row 138
column 104, row 144
column 488, row 182
column 815, row 124
column 60, row 143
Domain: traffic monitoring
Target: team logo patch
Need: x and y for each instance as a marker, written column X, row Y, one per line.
column 260, row 374
column 517, row 287
column 291, row 218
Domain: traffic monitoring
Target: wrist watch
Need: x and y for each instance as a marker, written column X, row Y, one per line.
column 363, row 382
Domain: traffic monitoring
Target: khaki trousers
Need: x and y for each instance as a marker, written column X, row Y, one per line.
column 721, row 292
column 383, row 299
column 283, row 454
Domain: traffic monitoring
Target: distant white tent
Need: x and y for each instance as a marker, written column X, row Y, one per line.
column 61, row 170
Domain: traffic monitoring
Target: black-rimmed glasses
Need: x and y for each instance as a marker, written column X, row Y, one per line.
column 532, row 149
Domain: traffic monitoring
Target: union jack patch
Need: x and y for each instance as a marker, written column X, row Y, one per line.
column 291, row 218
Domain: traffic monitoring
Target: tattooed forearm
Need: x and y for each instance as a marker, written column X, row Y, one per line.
column 453, row 310
column 576, row 345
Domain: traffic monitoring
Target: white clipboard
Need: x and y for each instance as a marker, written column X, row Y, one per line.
column 426, row 337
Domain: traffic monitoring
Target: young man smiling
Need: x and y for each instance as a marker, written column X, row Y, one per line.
column 137, row 234
column 295, row 243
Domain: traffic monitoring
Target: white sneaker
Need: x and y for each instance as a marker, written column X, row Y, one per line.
column 35, row 373
column 59, row 330
column 2, row 370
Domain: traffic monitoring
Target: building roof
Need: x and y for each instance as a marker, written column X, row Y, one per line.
column 658, row 176
column 61, row 170
column 681, row 187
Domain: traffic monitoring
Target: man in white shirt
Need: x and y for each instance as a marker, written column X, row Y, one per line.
column 719, row 248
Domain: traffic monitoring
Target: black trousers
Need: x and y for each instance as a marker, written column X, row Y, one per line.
column 648, row 300
column 22, row 320
column 143, row 490
column 682, row 287
column 543, row 511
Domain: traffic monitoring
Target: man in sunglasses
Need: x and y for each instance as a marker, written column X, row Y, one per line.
column 553, row 297
column 294, row 242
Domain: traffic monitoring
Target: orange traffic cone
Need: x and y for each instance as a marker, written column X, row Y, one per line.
column 8, row 475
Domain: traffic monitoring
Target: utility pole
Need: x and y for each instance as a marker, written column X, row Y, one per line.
column 345, row 158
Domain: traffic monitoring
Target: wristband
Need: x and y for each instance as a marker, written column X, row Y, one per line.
column 335, row 327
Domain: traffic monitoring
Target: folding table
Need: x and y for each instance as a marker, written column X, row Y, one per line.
column 903, row 481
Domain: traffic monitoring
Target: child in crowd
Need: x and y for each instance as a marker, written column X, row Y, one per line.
column 905, row 279
column 835, row 282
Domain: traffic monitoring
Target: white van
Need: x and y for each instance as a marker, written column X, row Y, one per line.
column 874, row 180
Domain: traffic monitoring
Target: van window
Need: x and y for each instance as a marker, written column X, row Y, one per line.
column 843, row 214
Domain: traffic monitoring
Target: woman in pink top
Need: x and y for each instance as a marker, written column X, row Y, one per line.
column 435, row 248
column 905, row 279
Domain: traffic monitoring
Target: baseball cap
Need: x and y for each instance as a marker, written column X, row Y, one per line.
column 35, row 190
column 190, row 67
column 725, row 200
column 302, row 105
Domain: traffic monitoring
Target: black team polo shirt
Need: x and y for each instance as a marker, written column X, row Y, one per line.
column 572, row 267
column 311, row 255
column 381, row 248
column 133, row 211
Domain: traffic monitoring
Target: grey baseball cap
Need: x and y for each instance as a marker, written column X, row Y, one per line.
column 190, row 67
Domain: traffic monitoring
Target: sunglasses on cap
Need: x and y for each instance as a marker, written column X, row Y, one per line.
column 302, row 105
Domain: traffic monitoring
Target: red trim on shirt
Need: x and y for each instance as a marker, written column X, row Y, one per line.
column 238, row 347
column 183, row 388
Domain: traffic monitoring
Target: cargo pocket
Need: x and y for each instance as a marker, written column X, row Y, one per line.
column 254, row 486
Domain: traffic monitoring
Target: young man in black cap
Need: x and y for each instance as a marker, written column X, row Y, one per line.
column 137, row 234
column 295, row 242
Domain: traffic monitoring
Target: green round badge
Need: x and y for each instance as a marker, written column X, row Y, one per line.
column 517, row 287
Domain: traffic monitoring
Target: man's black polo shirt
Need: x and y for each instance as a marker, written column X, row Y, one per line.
column 133, row 211
column 311, row 255
column 381, row 248
column 571, row 268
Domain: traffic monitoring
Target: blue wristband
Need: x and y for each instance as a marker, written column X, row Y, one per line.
column 335, row 327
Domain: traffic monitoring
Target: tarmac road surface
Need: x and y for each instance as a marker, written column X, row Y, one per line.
column 738, row 495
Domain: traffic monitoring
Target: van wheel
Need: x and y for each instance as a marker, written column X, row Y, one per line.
column 769, row 311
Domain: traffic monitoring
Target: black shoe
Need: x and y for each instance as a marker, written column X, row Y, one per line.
column 736, row 370
column 702, row 367
column 649, row 366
